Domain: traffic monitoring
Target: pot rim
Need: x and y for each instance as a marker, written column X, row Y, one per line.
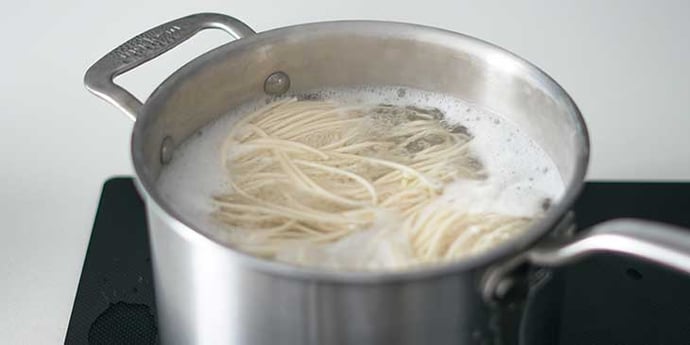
column 147, row 185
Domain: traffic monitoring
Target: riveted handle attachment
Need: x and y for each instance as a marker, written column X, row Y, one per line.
column 147, row 46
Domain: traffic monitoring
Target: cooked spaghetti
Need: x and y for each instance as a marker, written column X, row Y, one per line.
column 308, row 175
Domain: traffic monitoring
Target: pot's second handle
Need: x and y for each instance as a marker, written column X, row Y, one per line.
column 663, row 244
column 146, row 46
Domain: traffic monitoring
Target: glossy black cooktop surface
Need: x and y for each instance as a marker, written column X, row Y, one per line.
column 606, row 300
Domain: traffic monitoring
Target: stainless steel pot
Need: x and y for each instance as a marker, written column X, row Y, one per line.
column 208, row 293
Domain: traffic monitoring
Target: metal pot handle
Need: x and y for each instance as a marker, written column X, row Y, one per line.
column 147, row 46
column 663, row 244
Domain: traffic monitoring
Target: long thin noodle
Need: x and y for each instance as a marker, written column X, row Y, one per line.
column 317, row 172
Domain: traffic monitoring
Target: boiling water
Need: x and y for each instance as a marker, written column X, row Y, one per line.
column 521, row 179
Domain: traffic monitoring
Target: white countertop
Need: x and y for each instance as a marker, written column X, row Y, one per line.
column 624, row 62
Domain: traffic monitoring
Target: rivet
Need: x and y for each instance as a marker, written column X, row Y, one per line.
column 277, row 83
column 166, row 150
column 503, row 287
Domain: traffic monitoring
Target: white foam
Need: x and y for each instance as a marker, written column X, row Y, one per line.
column 521, row 175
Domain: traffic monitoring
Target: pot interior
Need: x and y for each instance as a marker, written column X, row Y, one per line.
column 351, row 54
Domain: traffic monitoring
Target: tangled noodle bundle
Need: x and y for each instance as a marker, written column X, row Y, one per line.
column 306, row 171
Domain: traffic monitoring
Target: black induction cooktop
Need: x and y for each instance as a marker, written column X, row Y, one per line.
column 606, row 300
